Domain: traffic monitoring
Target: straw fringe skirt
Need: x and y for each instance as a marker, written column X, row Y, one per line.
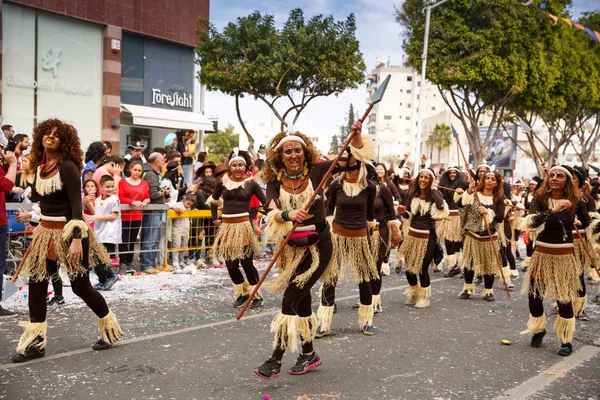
column 50, row 242
column 412, row 252
column 357, row 253
column 478, row 255
column 235, row 241
column 453, row 232
column 552, row 276
column 287, row 264
column 581, row 257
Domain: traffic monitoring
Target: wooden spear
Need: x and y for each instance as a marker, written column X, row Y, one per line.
column 377, row 96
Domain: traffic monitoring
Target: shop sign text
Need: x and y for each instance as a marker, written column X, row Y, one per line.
column 174, row 100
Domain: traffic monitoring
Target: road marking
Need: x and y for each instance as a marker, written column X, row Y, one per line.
column 176, row 332
column 545, row 378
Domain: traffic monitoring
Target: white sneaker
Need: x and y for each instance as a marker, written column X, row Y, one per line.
column 509, row 284
column 385, row 269
column 189, row 269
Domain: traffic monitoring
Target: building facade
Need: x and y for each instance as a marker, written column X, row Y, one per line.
column 118, row 71
column 393, row 122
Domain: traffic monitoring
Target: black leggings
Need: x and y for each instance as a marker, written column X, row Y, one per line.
column 297, row 300
column 508, row 256
column 581, row 292
column 536, row 305
column 488, row 280
column 364, row 290
column 102, row 270
column 233, row 267
column 384, row 234
column 452, row 247
column 424, row 274
column 529, row 247
column 81, row 287
column 57, row 284
column 130, row 232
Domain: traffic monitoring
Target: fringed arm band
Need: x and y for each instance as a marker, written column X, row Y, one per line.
column 75, row 229
column 367, row 152
column 531, row 225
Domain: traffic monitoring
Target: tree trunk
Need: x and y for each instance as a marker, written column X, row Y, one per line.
column 248, row 135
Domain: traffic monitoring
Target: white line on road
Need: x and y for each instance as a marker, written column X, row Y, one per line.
column 545, row 378
column 175, row 332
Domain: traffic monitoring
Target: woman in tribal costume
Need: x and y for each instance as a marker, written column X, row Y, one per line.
column 453, row 235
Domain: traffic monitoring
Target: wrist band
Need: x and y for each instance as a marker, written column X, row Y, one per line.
column 284, row 216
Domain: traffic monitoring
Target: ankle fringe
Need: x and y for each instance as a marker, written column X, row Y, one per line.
column 365, row 315
column 505, row 272
column 424, row 293
column 579, row 304
column 325, row 316
column 376, row 300
column 110, row 330
column 485, row 292
column 535, row 325
column 565, row 328
column 291, row 331
column 593, row 274
column 32, row 331
column 241, row 289
column 514, row 274
column 413, row 291
column 469, row 288
column 258, row 295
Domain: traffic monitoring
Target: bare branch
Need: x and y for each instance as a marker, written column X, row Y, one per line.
column 248, row 135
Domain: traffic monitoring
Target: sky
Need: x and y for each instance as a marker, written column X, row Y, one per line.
column 378, row 33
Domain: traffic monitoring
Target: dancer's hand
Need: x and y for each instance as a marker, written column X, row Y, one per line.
column 357, row 127
column 217, row 222
column 482, row 210
column 471, row 188
column 459, row 191
column 396, row 237
column 401, row 209
column 75, row 251
column 298, row 215
column 577, row 221
column 561, row 205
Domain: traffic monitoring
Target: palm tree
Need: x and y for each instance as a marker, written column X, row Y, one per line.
column 441, row 138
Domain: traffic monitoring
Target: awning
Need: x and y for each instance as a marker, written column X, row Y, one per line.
column 169, row 119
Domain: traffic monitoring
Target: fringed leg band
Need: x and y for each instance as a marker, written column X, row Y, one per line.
column 424, row 293
column 413, row 291
column 32, row 331
column 565, row 328
column 324, row 317
column 365, row 315
column 579, row 304
column 485, row 292
column 505, row 272
column 110, row 331
column 307, row 328
column 291, row 331
column 258, row 295
column 535, row 325
column 376, row 300
column 241, row 289
column 469, row 288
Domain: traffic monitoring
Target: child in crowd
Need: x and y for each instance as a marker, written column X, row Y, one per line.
column 107, row 227
column 90, row 192
column 181, row 234
column 209, row 230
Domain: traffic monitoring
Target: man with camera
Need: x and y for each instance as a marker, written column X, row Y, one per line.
column 7, row 181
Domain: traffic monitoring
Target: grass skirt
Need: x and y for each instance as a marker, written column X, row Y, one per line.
column 554, row 276
column 235, row 241
column 453, row 231
column 357, row 253
column 44, row 239
column 479, row 256
column 287, row 264
column 580, row 254
column 412, row 252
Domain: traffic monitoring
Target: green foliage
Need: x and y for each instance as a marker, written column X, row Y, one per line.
column 590, row 19
column 440, row 138
column 221, row 143
column 302, row 61
column 337, row 141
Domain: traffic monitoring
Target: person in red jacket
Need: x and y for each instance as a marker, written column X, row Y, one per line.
column 7, row 181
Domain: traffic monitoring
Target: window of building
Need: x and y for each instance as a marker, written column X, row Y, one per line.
column 432, row 108
column 407, row 105
column 401, row 90
column 419, row 83
column 388, row 117
column 400, row 104
column 409, row 79
column 408, row 118
column 408, row 91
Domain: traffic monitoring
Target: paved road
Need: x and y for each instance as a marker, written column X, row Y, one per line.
column 192, row 348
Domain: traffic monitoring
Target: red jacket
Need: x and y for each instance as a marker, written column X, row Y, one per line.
column 5, row 187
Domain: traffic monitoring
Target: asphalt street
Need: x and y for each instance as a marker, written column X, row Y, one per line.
column 193, row 348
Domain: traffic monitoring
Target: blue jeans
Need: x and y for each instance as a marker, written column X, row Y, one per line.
column 150, row 234
column 188, row 174
column 3, row 240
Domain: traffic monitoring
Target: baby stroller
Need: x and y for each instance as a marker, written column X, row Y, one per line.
column 19, row 237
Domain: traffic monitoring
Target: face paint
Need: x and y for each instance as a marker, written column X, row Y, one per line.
column 292, row 154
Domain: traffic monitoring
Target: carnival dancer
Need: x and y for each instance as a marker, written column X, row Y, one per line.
column 453, row 179
column 513, row 212
column 294, row 171
column 425, row 206
column 236, row 240
column 551, row 273
column 351, row 211
column 389, row 235
column 583, row 260
column 62, row 236
column 527, row 199
column 516, row 196
column 478, row 252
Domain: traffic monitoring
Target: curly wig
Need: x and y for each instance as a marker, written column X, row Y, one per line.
column 498, row 191
column 70, row 147
column 275, row 162
column 95, row 152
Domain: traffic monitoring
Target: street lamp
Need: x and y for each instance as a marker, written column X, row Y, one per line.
column 417, row 153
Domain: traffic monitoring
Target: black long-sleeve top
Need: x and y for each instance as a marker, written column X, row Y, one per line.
column 421, row 217
column 384, row 205
column 558, row 226
column 236, row 201
column 448, row 195
column 351, row 212
column 316, row 172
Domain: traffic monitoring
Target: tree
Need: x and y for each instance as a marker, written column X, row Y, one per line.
column 334, row 145
column 300, row 62
column 339, row 140
column 479, row 55
column 442, row 138
column 221, row 143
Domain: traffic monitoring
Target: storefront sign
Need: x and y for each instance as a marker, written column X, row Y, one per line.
column 175, row 100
